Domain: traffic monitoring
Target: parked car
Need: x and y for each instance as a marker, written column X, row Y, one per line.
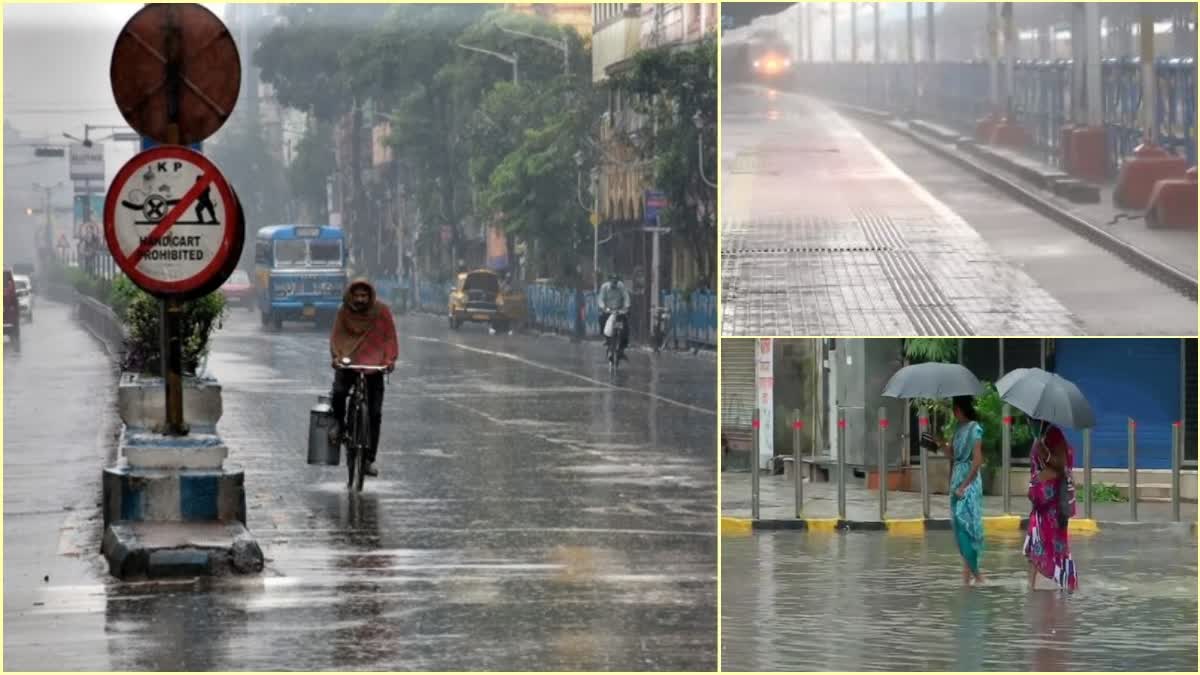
column 480, row 297
column 12, row 309
column 26, row 269
column 238, row 290
column 24, row 295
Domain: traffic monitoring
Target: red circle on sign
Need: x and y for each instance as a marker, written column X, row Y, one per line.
column 232, row 227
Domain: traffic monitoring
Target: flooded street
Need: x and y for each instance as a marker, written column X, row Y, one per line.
column 530, row 514
column 868, row 601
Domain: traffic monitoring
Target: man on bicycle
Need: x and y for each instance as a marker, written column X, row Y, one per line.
column 614, row 297
column 365, row 333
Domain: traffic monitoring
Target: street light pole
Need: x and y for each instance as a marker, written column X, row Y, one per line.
column 507, row 58
column 698, row 120
column 561, row 45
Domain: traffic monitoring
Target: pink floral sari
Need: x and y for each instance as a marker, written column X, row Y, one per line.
column 1047, row 544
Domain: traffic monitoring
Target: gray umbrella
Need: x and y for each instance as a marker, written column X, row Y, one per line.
column 933, row 380
column 1046, row 396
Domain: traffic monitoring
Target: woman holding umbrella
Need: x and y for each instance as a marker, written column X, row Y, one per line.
column 1052, row 495
column 931, row 381
column 966, row 488
column 1050, row 402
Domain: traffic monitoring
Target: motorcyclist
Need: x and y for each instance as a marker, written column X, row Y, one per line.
column 364, row 332
column 615, row 297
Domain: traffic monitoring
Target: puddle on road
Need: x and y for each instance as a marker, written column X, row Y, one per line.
column 888, row 603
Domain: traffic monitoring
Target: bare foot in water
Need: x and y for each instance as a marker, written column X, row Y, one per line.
column 979, row 580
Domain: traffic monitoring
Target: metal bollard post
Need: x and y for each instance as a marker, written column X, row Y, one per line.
column 882, row 463
column 1006, row 459
column 841, row 464
column 1133, row 470
column 1176, row 462
column 754, row 459
column 923, row 425
column 797, row 426
column 1087, row 473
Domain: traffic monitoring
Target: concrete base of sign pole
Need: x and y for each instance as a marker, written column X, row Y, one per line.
column 165, row 550
column 171, row 507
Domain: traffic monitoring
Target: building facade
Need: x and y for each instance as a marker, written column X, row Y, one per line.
column 619, row 32
column 573, row 15
column 1152, row 381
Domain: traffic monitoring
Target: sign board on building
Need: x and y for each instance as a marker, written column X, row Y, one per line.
column 655, row 202
column 764, row 384
column 87, row 163
column 173, row 223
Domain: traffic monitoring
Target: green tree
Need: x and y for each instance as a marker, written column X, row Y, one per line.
column 240, row 150
column 311, row 166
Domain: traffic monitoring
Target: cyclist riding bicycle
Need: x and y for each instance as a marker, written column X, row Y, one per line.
column 365, row 333
column 614, row 297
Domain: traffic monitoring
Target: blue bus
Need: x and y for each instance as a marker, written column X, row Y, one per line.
column 300, row 273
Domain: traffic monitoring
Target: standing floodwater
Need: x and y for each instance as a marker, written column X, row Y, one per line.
column 869, row 601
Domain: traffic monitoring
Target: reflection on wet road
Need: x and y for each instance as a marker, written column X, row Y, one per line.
column 867, row 601
column 529, row 515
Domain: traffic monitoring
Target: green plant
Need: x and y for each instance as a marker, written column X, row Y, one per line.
column 923, row 350
column 989, row 410
column 141, row 315
column 1106, row 493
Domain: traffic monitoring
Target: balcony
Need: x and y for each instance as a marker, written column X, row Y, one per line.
column 615, row 42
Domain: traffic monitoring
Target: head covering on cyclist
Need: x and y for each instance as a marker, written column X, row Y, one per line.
column 365, row 333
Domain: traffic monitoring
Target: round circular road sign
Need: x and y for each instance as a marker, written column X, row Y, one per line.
column 172, row 222
column 175, row 63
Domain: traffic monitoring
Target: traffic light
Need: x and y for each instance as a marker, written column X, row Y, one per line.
column 49, row 152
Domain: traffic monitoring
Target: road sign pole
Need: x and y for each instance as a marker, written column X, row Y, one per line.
column 171, row 310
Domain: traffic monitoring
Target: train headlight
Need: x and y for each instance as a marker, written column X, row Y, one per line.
column 787, row 63
column 756, row 64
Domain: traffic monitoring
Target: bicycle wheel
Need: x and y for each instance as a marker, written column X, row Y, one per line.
column 363, row 441
column 351, row 438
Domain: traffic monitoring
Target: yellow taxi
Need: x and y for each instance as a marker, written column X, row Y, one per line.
column 480, row 297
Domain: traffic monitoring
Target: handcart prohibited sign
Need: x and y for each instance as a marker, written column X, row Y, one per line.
column 172, row 222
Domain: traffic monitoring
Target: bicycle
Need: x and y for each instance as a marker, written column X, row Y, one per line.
column 357, row 424
column 662, row 328
column 613, row 344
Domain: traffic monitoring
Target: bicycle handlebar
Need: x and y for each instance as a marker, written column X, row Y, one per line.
column 370, row 369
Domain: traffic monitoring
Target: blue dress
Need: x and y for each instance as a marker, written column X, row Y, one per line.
column 966, row 513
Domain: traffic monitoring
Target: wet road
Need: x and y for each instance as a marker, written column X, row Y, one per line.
column 837, row 227
column 530, row 515
column 869, row 601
